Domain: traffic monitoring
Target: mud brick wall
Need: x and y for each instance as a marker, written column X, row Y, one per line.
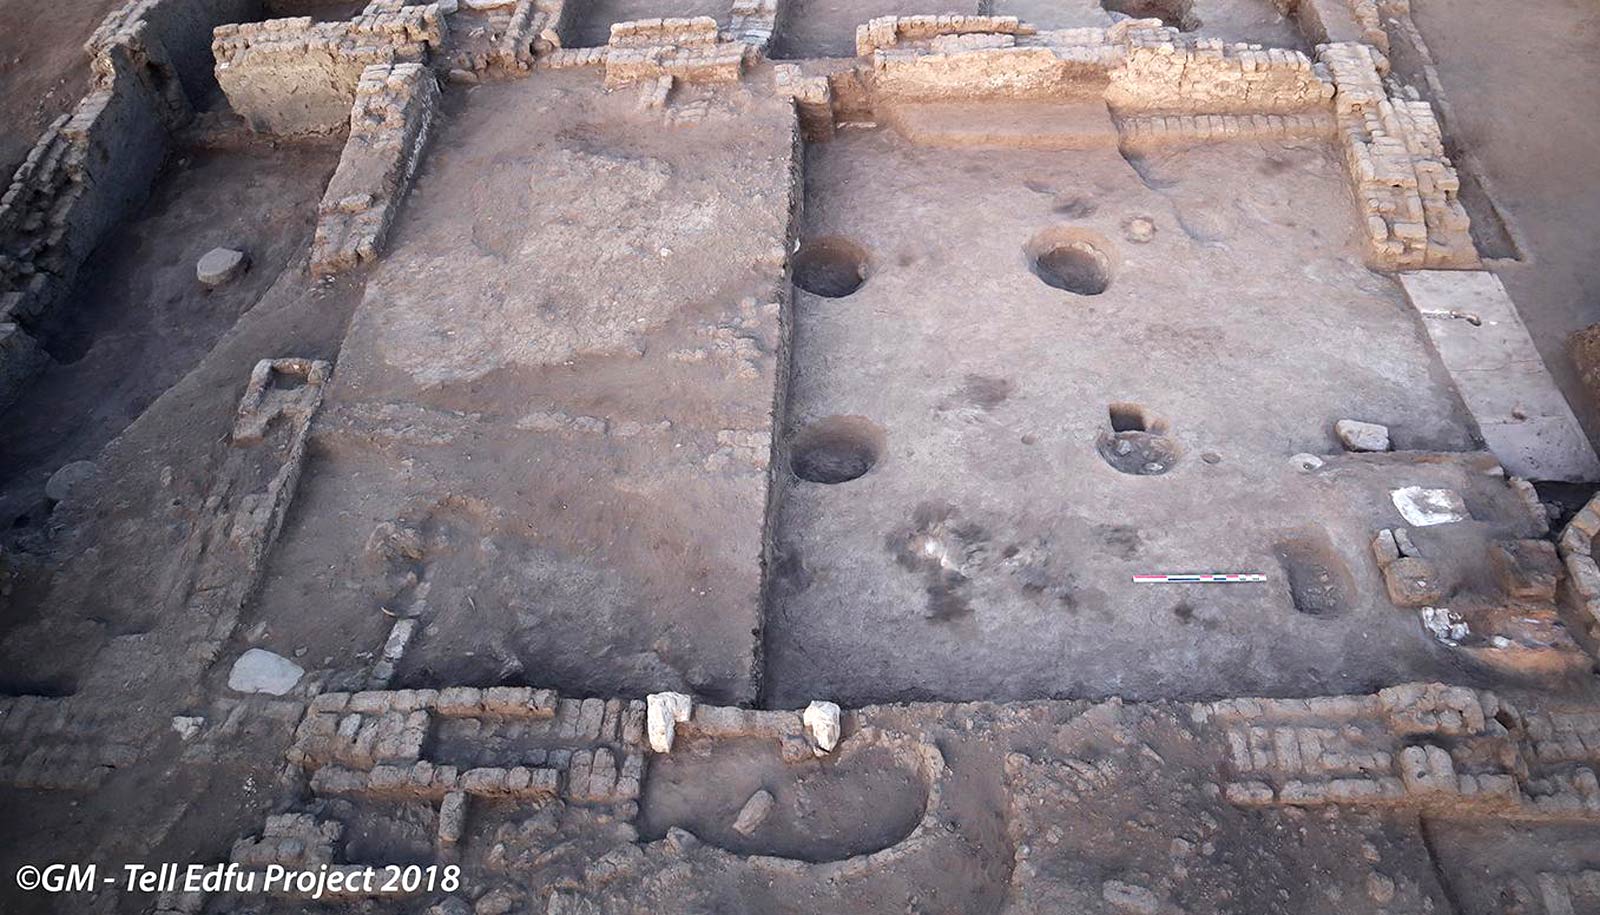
column 92, row 168
column 699, row 31
column 1404, row 183
column 1160, row 74
column 1332, row 21
column 86, row 175
column 58, row 744
column 1137, row 66
column 295, row 76
column 894, row 31
column 497, row 742
column 753, row 23
column 390, row 123
column 692, row 50
column 1152, row 130
column 292, row 76
column 715, row 63
column 1416, row 745
column 172, row 38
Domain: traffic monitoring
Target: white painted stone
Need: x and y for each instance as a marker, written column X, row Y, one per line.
column 1359, row 436
column 822, row 725
column 1426, row 507
column 261, row 671
column 187, row 725
column 219, row 265
column 663, row 713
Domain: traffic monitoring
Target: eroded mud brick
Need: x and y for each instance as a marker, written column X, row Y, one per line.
column 1528, row 569
column 1412, row 582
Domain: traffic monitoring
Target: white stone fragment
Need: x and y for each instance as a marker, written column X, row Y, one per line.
column 1446, row 625
column 753, row 813
column 822, row 725
column 663, row 713
column 187, row 725
column 1360, row 436
column 219, row 265
column 1306, row 462
column 1127, row 897
column 261, row 671
column 1426, row 507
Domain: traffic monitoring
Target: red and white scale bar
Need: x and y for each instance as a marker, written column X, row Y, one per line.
column 1201, row 578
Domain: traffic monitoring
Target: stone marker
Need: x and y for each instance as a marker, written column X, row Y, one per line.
column 753, row 813
column 663, row 712
column 221, row 265
column 261, row 671
column 822, row 725
column 1384, row 548
column 187, row 725
column 69, row 479
column 1360, row 436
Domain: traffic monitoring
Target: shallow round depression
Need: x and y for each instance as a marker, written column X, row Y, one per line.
column 837, row 449
column 830, row 266
column 1070, row 260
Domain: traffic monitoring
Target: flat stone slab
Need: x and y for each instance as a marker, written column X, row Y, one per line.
column 261, row 671
column 69, row 479
column 221, row 265
column 1523, row 417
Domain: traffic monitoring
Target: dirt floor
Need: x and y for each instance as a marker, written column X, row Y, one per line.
column 141, row 322
column 43, row 68
column 730, row 493
column 988, row 550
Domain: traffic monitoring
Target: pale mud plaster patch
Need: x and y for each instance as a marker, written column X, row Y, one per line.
column 1424, row 507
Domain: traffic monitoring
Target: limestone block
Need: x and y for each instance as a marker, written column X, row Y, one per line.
column 663, row 713
column 753, row 813
column 261, row 671
column 1360, row 436
column 822, row 726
